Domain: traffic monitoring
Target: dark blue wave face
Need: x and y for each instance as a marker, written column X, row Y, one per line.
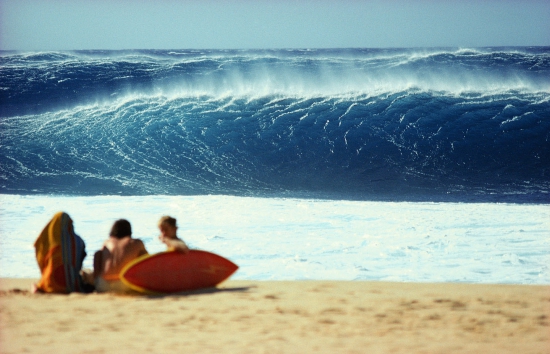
column 459, row 125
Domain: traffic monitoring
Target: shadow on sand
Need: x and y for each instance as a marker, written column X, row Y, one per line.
column 201, row 292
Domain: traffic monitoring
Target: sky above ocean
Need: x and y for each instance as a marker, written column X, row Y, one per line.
column 62, row 25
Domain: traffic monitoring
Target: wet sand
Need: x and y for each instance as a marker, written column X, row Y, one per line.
column 282, row 317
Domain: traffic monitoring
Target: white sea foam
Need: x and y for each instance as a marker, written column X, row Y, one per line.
column 288, row 239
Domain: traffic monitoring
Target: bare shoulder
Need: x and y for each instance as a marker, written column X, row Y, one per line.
column 137, row 242
column 139, row 246
column 109, row 245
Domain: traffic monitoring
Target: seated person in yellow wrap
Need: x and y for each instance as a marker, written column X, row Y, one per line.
column 118, row 250
column 168, row 230
column 60, row 253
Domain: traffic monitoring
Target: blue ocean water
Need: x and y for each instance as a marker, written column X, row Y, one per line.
column 350, row 164
column 365, row 124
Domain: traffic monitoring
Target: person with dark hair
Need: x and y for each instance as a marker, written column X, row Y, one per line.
column 118, row 250
column 168, row 229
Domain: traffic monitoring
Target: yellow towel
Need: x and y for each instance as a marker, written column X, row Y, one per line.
column 59, row 253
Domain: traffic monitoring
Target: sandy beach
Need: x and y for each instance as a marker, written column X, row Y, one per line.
column 282, row 317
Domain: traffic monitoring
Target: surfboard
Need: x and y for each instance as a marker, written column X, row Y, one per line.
column 173, row 272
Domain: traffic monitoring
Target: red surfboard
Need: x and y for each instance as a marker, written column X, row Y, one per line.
column 173, row 272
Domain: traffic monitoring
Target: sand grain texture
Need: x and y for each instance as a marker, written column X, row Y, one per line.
column 282, row 317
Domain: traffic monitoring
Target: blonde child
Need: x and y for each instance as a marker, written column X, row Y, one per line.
column 168, row 229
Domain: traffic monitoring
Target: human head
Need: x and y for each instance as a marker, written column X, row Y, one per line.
column 65, row 221
column 121, row 228
column 167, row 220
column 167, row 226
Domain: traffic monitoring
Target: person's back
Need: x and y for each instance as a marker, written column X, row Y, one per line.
column 60, row 253
column 118, row 250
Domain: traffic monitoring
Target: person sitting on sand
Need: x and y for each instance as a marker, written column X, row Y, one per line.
column 118, row 250
column 60, row 253
column 168, row 229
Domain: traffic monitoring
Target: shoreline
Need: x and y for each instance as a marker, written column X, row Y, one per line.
column 282, row 317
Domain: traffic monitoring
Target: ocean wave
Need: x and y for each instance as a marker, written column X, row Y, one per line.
column 39, row 82
column 395, row 144
column 386, row 124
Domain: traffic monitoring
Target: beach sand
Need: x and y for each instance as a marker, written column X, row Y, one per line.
column 282, row 317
